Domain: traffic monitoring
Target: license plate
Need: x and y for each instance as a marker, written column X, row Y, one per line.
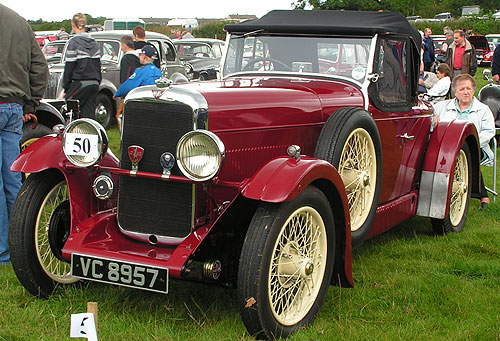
column 109, row 271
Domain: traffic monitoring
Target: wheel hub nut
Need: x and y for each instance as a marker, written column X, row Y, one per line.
column 307, row 268
column 365, row 179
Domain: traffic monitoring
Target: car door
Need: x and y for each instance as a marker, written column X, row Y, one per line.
column 110, row 63
column 390, row 106
column 169, row 59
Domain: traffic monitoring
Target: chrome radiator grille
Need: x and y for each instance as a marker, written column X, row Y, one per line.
column 147, row 206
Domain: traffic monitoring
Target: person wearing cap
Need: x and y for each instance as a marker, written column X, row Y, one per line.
column 82, row 70
column 140, row 41
column 143, row 75
column 187, row 33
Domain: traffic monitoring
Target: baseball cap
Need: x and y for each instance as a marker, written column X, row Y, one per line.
column 149, row 51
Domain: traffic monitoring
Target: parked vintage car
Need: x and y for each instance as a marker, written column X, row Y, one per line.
column 201, row 56
column 438, row 40
column 483, row 53
column 109, row 44
column 313, row 141
column 493, row 38
column 53, row 51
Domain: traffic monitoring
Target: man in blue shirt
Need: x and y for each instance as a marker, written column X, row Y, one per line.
column 143, row 75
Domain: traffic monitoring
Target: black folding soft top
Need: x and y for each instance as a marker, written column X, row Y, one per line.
column 329, row 22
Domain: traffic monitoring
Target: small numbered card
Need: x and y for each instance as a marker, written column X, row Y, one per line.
column 83, row 325
column 82, row 145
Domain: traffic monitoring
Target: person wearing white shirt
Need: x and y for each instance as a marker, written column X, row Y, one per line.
column 466, row 107
column 439, row 91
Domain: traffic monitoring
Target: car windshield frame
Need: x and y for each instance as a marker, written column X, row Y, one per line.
column 351, row 56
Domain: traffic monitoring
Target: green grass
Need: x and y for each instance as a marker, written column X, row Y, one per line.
column 409, row 284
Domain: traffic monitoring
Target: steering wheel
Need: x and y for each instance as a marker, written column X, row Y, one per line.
column 254, row 61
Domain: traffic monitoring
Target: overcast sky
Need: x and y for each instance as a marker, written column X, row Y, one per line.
column 57, row 10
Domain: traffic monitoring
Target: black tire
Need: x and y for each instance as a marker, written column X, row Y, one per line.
column 103, row 110
column 30, row 134
column 331, row 144
column 39, row 227
column 203, row 76
column 459, row 194
column 266, row 302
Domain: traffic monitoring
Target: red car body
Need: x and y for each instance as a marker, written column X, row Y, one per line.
column 484, row 54
column 263, row 107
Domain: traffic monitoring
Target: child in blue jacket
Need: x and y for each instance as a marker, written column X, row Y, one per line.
column 143, row 75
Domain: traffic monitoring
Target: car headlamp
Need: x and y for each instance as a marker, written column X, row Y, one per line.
column 84, row 142
column 200, row 154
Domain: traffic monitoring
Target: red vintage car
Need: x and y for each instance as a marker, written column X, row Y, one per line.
column 484, row 54
column 313, row 140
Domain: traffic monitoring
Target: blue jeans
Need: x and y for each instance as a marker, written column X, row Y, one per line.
column 11, row 131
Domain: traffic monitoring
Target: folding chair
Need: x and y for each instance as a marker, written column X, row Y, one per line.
column 494, row 190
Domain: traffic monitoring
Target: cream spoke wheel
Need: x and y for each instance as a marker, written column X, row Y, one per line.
column 297, row 266
column 286, row 264
column 459, row 195
column 56, row 269
column 358, row 170
column 459, row 188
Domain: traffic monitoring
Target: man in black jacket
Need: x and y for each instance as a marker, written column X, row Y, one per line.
column 140, row 41
column 82, row 71
column 495, row 65
column 130, row 60
column 23, row 79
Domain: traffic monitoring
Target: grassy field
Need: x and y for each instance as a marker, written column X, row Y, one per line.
column 409, row 284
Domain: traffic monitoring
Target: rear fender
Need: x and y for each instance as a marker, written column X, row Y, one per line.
column 284, row 178
column 442, row 151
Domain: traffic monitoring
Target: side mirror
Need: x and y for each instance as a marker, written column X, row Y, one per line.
column 486, row 74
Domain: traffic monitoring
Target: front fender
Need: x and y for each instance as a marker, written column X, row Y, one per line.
column 442, row 151
column 284, row 178
column 47, row 152
column 47, row 113
column 42, row 154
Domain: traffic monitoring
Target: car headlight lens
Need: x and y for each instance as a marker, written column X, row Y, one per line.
column 200, row 154
column 84, row 142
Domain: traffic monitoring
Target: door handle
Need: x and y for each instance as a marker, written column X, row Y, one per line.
column 406, row 137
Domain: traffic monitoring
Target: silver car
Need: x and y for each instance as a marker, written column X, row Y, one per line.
column 111, row 54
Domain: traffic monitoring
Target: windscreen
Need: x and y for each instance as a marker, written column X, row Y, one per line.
column 346, row 57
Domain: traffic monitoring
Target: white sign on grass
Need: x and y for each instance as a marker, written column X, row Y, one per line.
column 83, row 325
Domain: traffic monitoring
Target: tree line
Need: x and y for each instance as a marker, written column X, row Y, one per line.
column 424, row 8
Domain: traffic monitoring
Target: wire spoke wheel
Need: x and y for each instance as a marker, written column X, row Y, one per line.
column 297, row 266
column 358, row 170
column 286, row 264
column 55, row 268
column 459, row 189
column 40, row 225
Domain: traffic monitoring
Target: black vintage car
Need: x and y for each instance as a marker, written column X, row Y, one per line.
column 202, row 56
